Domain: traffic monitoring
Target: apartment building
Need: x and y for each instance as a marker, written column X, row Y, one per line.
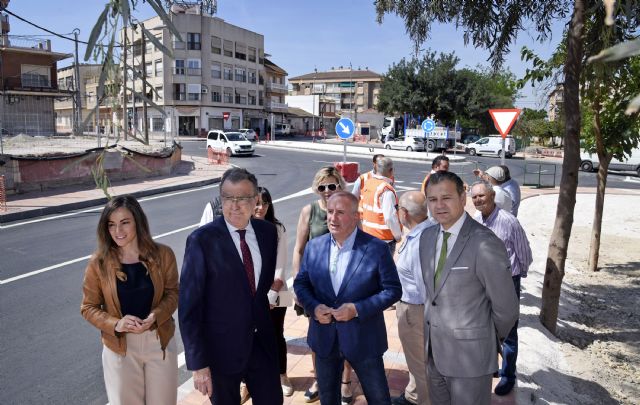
column 556, row 101
column 29, row 83
column 215, row 78
column 348, row 89
column 276, row 91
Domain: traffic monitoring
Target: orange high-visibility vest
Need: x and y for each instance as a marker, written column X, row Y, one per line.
column 363, row 178
column 423, row 189
column 372, row 217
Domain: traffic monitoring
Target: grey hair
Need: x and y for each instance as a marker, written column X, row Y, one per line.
column 488, row 187
column 413, row 207
column 384, row 165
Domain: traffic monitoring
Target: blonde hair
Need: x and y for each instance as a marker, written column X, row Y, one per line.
column 325, row 173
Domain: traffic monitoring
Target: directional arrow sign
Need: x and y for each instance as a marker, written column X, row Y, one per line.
column 504, row 119
column 345, row 128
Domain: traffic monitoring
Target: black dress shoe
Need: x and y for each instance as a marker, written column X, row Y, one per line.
column 504, row 386
column 311, row 396
column 401, row 400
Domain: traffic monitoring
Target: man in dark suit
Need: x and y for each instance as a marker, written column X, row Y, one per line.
column 227, row 271
column 471, row 303
column 347, row 279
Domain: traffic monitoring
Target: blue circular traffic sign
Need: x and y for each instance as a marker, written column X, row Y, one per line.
column 428, row 125
column 345, row 128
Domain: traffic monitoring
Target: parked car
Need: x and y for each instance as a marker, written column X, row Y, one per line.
column 408, row 143
column 250, row 134
column 282, row 130
column 235, row 143
column 492, row 145
column 589, row 162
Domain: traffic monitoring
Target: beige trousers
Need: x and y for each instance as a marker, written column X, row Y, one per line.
column 411, row 333
column 142, row 376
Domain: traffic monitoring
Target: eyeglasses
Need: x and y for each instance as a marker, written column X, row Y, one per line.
column 331, row 187
column 240, row 200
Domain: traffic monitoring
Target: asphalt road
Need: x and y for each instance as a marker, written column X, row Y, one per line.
column 50, row 354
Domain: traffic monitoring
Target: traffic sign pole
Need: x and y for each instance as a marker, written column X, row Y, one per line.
column 503, row 119
column 345, row 130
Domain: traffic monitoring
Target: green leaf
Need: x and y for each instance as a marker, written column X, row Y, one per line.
column 156, row 42
column 617, row 52
column 157, row 7
column 95, row 32
column 125, row 11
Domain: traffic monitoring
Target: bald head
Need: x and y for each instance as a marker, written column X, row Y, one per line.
column 412, row 208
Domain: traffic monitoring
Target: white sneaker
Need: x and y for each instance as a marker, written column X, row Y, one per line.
column 287, row 387
column 244, row 393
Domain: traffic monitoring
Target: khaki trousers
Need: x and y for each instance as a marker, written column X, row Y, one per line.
column 411, row 333
column 142, row 376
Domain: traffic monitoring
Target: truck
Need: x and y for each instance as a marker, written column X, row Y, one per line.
column 440, row 138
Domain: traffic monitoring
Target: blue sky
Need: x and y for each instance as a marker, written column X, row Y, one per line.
column 299, row 34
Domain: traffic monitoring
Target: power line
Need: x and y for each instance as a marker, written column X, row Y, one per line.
column 43, row 28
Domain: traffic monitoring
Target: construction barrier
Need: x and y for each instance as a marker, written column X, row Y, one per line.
column 349, row 170
column 217, row 156
column 3, row 195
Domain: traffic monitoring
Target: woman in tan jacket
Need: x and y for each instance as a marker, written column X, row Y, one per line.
column 130, row 292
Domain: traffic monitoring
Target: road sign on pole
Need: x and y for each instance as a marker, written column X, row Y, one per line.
column 345, row 128
column 428, row 125
column 504, row 119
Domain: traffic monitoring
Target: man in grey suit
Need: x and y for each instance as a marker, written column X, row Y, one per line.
column 471, row 303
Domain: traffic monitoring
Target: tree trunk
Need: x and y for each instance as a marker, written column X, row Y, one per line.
column 594, row 247
column 559, row 242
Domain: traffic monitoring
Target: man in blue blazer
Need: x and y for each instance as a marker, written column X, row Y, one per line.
column 347, row 279
column 227, row 271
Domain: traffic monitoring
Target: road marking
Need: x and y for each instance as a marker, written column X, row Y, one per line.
column 162, row 235
column 405, row 188
column 33, row 221
column 631, row 179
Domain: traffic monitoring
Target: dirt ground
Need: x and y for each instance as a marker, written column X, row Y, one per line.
column 595, row 358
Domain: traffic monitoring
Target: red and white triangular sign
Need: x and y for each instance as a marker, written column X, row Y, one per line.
column 504, row 119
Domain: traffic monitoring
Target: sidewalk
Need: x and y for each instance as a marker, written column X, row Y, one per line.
column 193, row 171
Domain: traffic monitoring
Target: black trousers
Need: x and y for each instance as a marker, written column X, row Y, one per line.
column 277, row 317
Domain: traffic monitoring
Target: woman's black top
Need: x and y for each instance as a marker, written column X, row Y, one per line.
column 135, row 294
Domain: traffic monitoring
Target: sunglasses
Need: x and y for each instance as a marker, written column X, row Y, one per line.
column 330, row 187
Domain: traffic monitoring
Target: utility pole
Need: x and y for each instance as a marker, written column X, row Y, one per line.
column 313, row 93
column 145, row 123
column 78, row 115
column 125, row 118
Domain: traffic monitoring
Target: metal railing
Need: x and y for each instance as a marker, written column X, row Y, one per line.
column 17, row 41
column 276, row 86
column 3, row 195
column 540, row 175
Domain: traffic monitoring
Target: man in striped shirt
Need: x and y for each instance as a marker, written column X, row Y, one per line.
column 508, row 229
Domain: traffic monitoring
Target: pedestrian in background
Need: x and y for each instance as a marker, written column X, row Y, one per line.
column 470, row 301
column 313, row 223
column 265, row 211
column 412, row 211
column 512, row 188
column 347, row 279
column 227, row 271
column 439, row 163
column 495, row 176
column 130, row 292
column 379, row 202
column 359, row 184
column 508, row 229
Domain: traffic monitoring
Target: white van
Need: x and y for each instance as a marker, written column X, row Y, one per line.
column 235, row 143
column 492, row 145
column 282, row 130
column 589, row 162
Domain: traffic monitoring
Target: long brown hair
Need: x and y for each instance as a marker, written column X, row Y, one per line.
column 107, row 248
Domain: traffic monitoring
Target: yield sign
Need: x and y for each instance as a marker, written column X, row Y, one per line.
column 504, row 119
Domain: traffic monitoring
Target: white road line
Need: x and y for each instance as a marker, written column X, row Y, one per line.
column 405, row 188
column 79, row 259
column 631, row 179
column 33, row 221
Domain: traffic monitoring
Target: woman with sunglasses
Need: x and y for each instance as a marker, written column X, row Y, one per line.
column 264, row 210
column 312, row 223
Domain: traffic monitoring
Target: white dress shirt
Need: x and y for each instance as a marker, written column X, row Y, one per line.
column 454, row 230
column 252, row 242
column 339, row 259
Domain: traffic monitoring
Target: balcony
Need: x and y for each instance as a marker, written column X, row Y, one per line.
column 30, row 82
column 276, row 87
column 276, row 106
column 16, row 41
column 193, row 71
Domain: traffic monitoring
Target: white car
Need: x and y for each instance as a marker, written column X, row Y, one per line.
column 492, row 145
column 589, row 162
column 250, row 134
column 234, row 143
column 408, row 143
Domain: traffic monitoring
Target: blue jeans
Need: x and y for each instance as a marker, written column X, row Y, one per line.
column 370, row 373
column 510, row 344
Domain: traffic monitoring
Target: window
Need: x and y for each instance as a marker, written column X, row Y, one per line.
column 261, row 56
column 252, row 97
column 252, row 76
column 241, row 75
column 252, row 54
column 228, row 48
column 216, row 94
column 148, row 46
column 177, row 43
column 179, row 91
column 216, row 71
column 159, row 38
column 228, row 72
column 228, row 95
column 159, row 93
column 179, row 69
column 193, row 67
column 193, row 41
column 260, row 98
column 241, row 51
column 240, row 97
column 216, row 45
column 159, row 67
column 193, row 92
column 157, row 124
column 35, row 76
column 148, row 69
